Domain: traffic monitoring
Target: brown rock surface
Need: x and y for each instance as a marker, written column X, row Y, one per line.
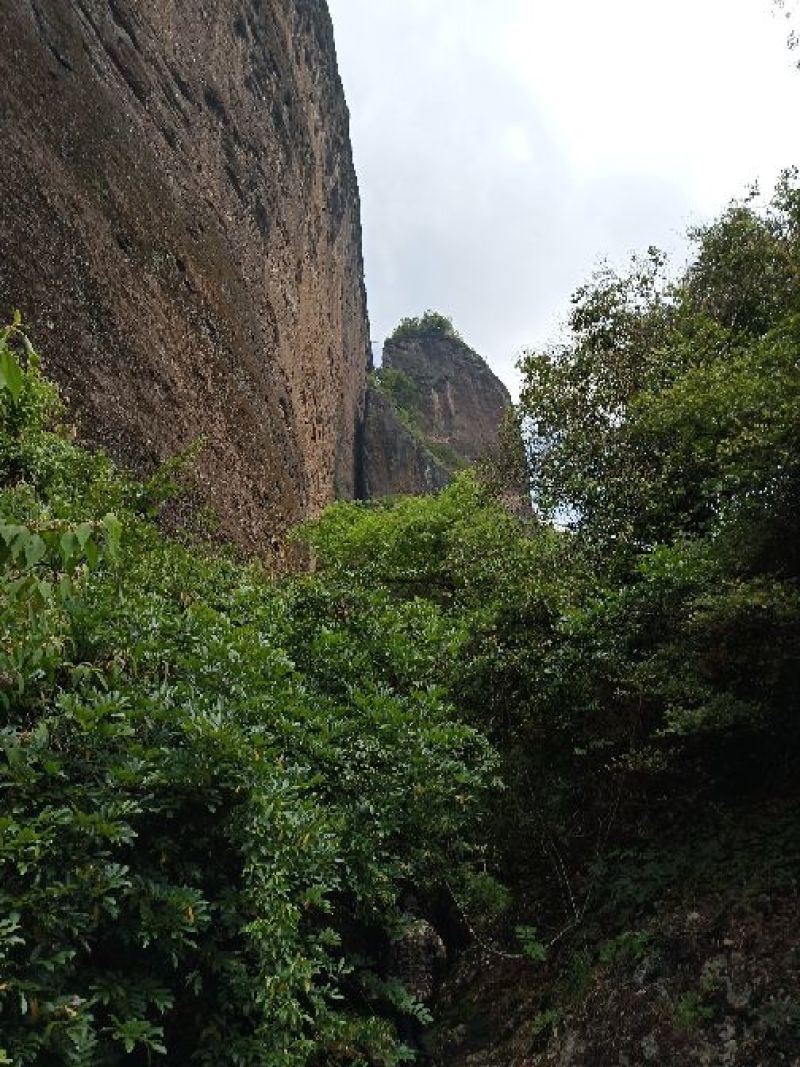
column 460, row 401
column 714, row 989
column 180, row 227
column 454, row 403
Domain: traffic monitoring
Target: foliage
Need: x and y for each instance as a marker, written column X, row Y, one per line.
column 431, row 322
column 635, row 663
column 482, row 898
column 689, row 1010
column 217, row 789
column 531, row 945
column 446, row 456
column 402, row 393
column 627, row 946
column 671, row 408
column 665, row 434
column 399, row 388
column 544, row 1021
column 213, row 798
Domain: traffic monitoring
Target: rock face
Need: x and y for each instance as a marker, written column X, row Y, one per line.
column 450, row 398
column 696, row 994
column 460, row 401
column 180, row 225
column 395, row 461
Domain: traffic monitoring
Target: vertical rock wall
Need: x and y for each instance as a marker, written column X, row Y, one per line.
column 455, row 408
column 395, row 462
column 179, row 223
column 460, row 401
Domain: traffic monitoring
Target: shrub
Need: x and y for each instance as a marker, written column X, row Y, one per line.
column 203, row 838
column 432, row 322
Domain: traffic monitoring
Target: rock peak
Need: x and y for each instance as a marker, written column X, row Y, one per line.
column 435, row 407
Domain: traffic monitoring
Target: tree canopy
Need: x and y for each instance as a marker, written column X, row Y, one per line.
column 431, row 322
column 218, row 788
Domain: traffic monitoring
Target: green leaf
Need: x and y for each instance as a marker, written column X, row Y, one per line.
column 532, row 947
column 92, row 552
column 8, row 532
column 69, row 546
column 35, row 550
column 83, row 533
column 113, row 528
column 12, row 377
column 65, row 589
column 30, row 352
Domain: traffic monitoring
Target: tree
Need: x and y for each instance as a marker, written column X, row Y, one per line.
column 643, row 417
column 432, row 322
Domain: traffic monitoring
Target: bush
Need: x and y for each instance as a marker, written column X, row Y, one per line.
column 432, row 322
column 205, row 829
column 637, row 664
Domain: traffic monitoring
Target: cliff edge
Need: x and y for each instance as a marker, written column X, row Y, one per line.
column 180, row 226
column 434, row 407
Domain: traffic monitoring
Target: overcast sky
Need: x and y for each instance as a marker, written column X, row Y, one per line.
column 503, row 147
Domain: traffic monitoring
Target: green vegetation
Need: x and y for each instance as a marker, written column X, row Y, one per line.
column 217, row 789
column 690, row 1011
column 636, row 664
column 402, row 393
column 446, row 456
column 432, row 322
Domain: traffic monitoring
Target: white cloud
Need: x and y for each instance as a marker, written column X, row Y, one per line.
column 504, row 147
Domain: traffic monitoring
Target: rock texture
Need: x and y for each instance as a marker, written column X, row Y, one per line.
column 395, row 461
column 454, row 403
column 460, row 402
column 179, row 223
column 712, row 988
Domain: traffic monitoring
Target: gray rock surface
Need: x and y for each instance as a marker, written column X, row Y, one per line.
column 460, row 401
column 395, row 462
column 457, row 410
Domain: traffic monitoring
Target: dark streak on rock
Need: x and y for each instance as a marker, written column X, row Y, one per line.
column 214, row 102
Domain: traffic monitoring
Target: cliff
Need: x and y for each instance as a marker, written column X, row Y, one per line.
column 459, row 403
column 437, row 408
column 395, row 460
column 180, row 225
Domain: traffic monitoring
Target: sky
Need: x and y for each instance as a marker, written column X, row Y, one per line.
column 505, row 147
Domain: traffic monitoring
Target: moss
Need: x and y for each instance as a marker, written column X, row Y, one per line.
column 446, row 456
